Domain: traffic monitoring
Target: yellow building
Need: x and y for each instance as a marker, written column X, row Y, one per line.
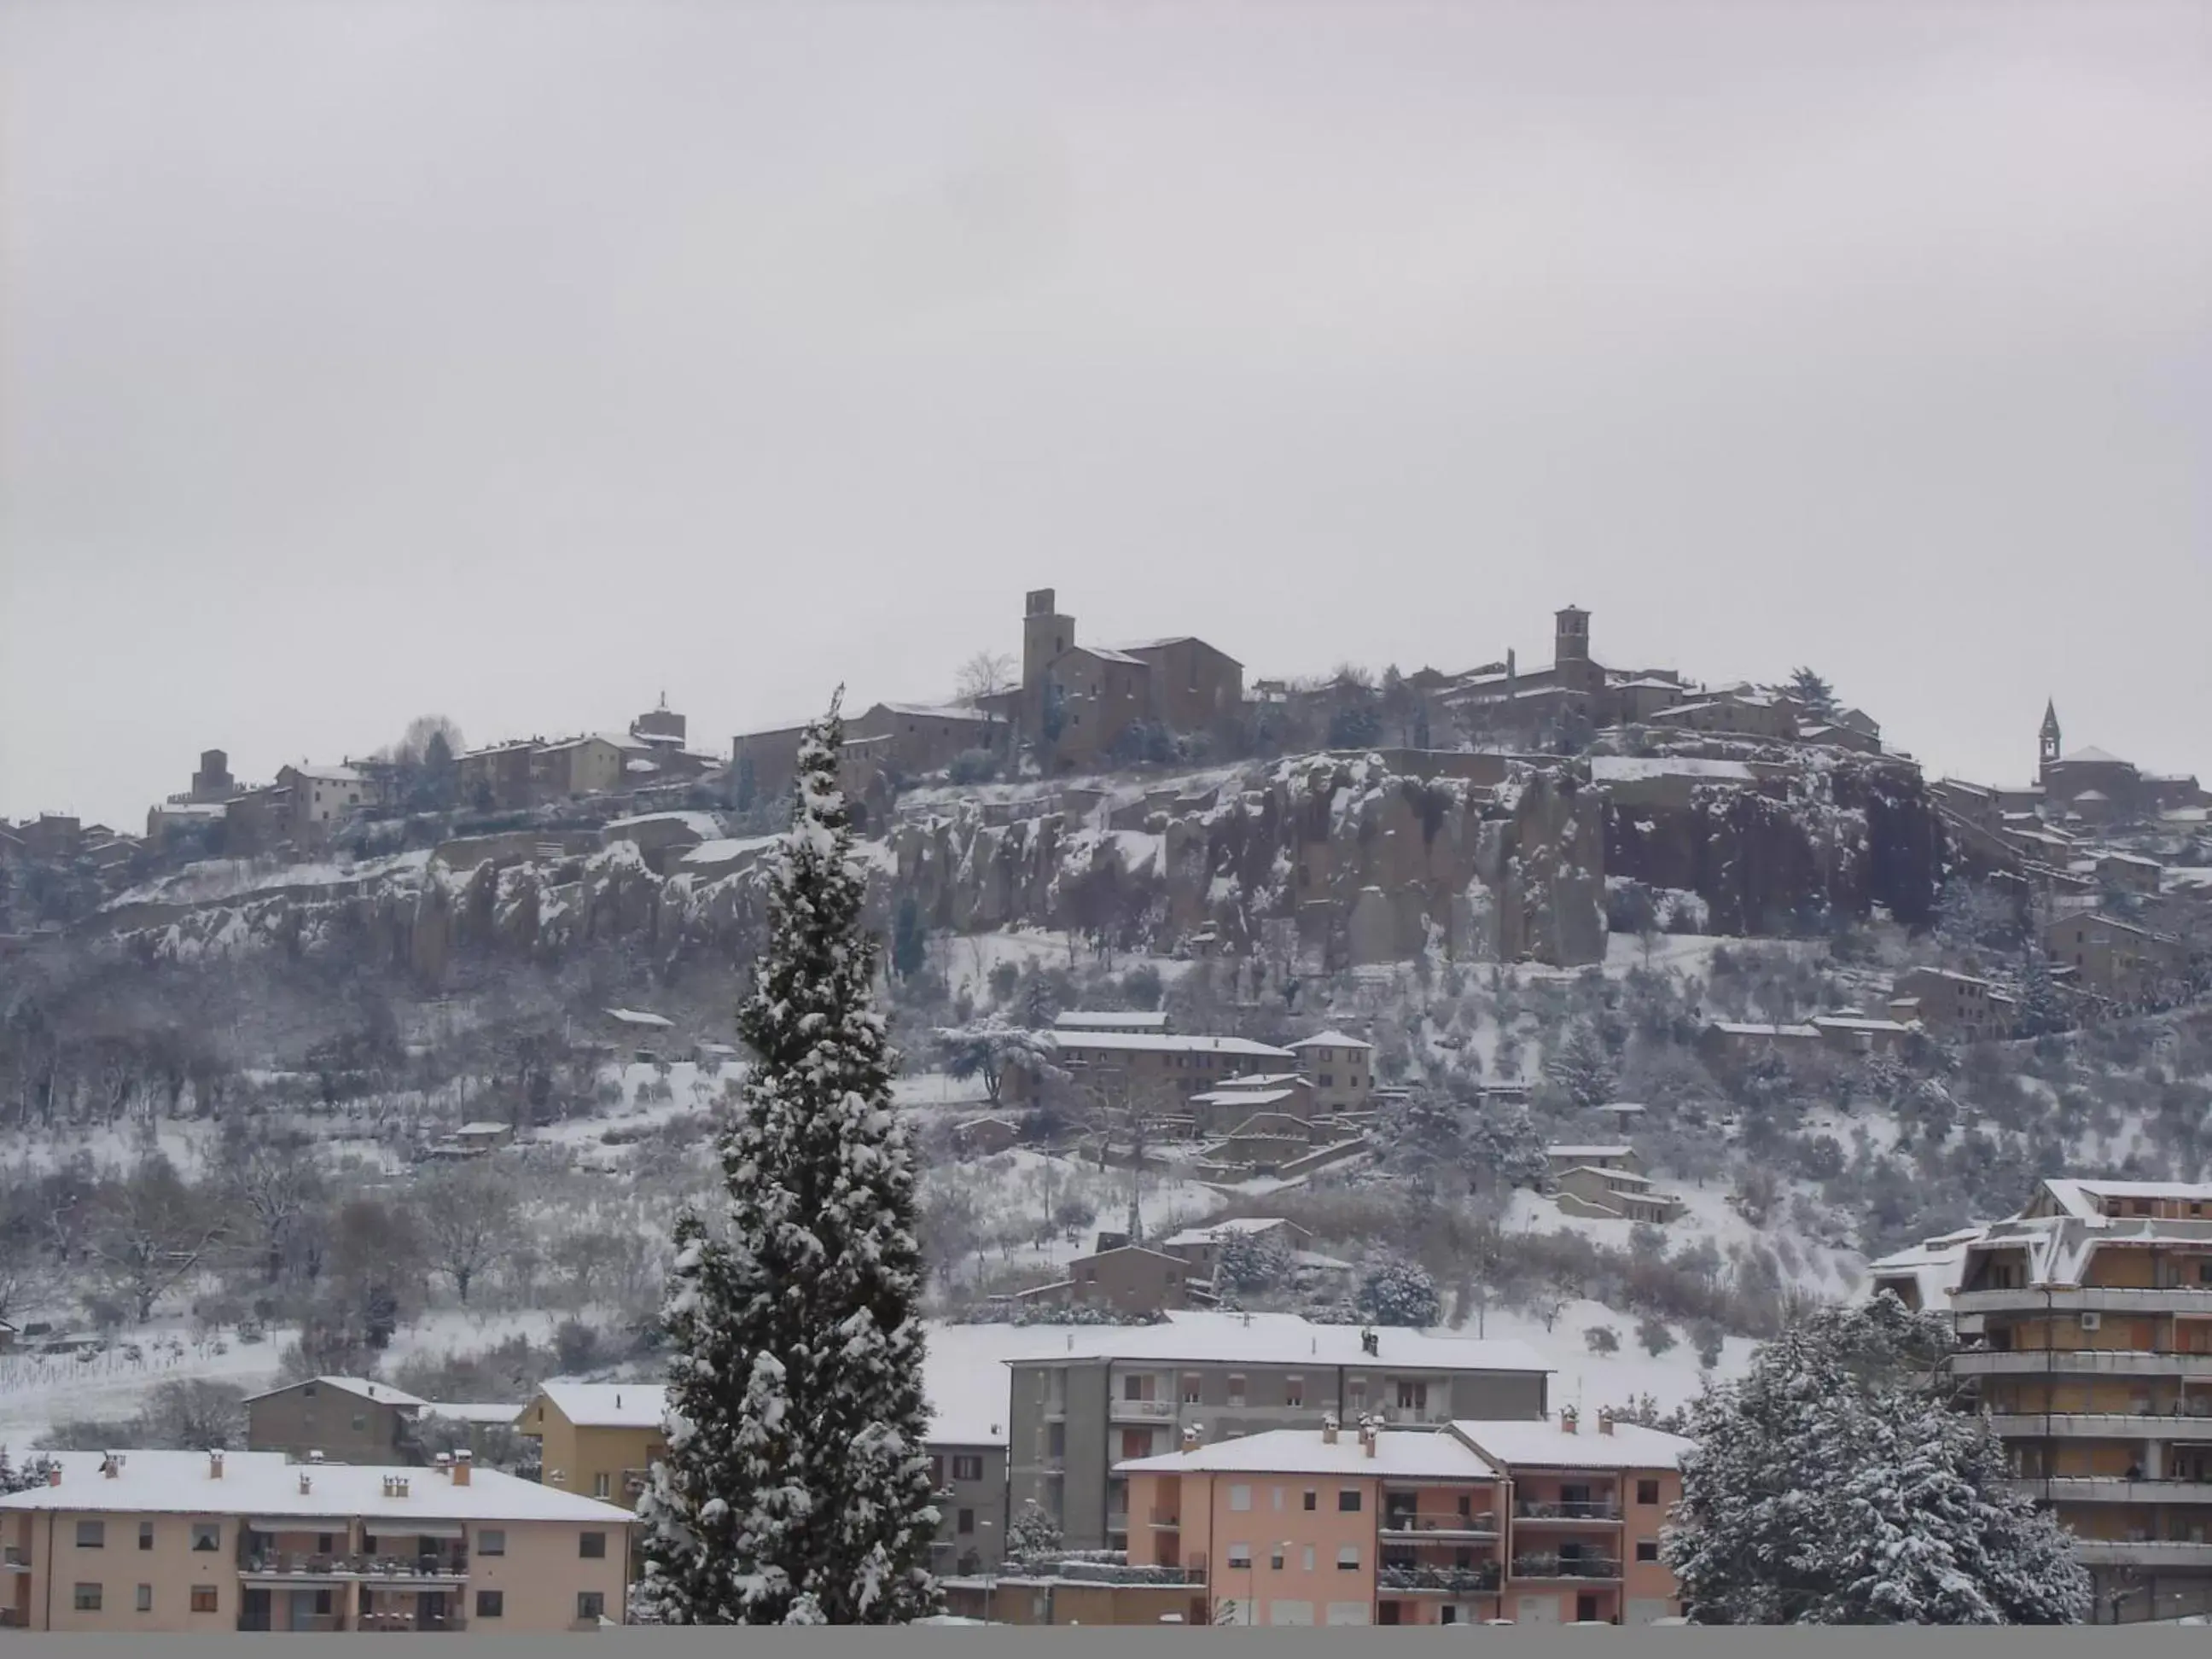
column 597, row 1439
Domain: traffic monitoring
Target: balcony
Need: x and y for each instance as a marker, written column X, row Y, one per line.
column 1166, row 1521
column 1145, row 1411
column 2113, row 1489
column 1118, row 1573
column 2183, row 1299
column 2101, row 1425
column 288, row 1567
column 14, row 1558
column 1439, row 1529
column 2081, row 1362
column 1557, row 1566
column 1479, row 1580
column 1568, row 1511
column 2141, row 1552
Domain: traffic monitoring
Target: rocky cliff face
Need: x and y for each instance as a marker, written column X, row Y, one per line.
column 1835, row 837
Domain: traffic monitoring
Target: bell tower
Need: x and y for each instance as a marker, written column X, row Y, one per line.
column 1045, row 634
column 2047, row 746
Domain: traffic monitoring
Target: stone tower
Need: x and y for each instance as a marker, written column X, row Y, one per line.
column 1045, row 634
column 2047, row 746
column 1571, row 657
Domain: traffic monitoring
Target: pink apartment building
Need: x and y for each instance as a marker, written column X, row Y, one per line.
column 175, row 1542
column 1537, row 1522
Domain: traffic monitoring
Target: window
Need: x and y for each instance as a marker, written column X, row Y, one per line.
column 1236, row 1389
column 359, row 1421
column 936, row 1474
column 1413, row 1397
column 207, row 1535
column 92, row 1535
column 1347, row 1500
column 88, row 1598
column 1240, row 1555
column 1313, row 1499
column 592, row 1545
column 1132, row 1387
column 145, row 1535
column 204, row 1599
column 968, row 1467
column 591, row 1604
column 1348, row 1557
column 491, row 1604
column 1647, row 1549
column 967, row 1521
column 1294, row 1391
column 1647, row 1491
column 307, row 1392
column 1279, row 1500
column 1275, row 1559
column 602, row 1484
column 1309, row 1558
column 1191, row 1389
column 324, row 1542
column 145, row 1598
column 1239, row 1498
column 491, row 1540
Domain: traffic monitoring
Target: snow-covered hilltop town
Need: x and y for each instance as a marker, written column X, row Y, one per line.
column 1390, row 1148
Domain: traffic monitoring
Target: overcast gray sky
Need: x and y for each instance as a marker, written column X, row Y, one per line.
column 518, row 362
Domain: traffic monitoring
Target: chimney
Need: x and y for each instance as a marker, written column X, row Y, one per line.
column 214, row 1463
column 315, row 1457
column 617, row 1402
column 444, row 1462
column 53, row 1474
column 111, row 1464
column 1328, row 1430
column 1605, row 1420
column 306, row 1483
column 1190, row 1436
column 462, row 1463
column 1568, row 1418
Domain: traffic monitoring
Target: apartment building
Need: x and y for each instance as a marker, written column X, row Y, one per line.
column 2115, row 958
column 1954, row 1005
column 2096, row 1369
column 174, row 1543
column 1534, row 1521
column 1105, row 1395
column 1155, row 1071
column 1341, row 1070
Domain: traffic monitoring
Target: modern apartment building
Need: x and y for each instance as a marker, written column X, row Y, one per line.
column 180, row 1542
column 1536, row 1521
column 599, row 1439
column 2096, row 1368
column 1110, row 1394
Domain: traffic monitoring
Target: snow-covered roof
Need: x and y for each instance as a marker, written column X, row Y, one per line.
column 1152, row 1042
column 1627, row 1177
column 949, row 711
column 1250, row 1083
column 1738, row 1028
column 382, row 1392
column 1106, row 654
column 495, row 1411
column 723, row 851
column 1934, row 1264
column 1128, row 1019
column 2096, row 756
column 1857, row 1022
column 608, row 1405
column 1244, row 1097
column 701, row 825
column 1541, row 1444
column 263, row 1484
column 1214, row 1233
column 1402, row 1453
column 328, row 773
column 1331, row 1040
column 1281, row 1340
column 637, row 1017
column 2136, row 859
column 1586, row 1151
column 1622, row 769
column 2079, row 1196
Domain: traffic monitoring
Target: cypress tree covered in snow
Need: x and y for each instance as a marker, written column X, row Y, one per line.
column 1836, row 1483
column 796, row 1489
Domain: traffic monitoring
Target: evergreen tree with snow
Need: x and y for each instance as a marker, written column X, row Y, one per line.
column 1836, row 1483
column 1400, row 1293
column 796, row 1489
column 1818, row 696
column 1580, row 1068
column 1033, row 1537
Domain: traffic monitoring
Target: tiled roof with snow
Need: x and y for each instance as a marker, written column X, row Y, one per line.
column 160, row 1484
column 1403, row 1454
column 701, row 825
column 1541, row 1444
column 382, row 1392
column 1331, row 1040
column 608, row 1405
column 1282, row 1339
column 499, row 1411
column 1247, row 1097
column 1125, row 1019
column 948, row 711
column 2095, row 757
column 1149, row 1043
column 1586, row 1151
column 1214, row 1233
column 637, row 1017
column 328, row 773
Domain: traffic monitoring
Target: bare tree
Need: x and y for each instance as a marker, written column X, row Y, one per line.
column 272, row 1189
column 149, row 1233
column 985, row 674
column 1119, row 1108
column 468, row 1219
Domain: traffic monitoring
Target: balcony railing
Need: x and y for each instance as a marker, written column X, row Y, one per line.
column 1166, row 1520
column 1116, row 1572
column 2113, row 1489
column 1595, row 1509
column 1479, row 1580
column 2073, row 1362
column 13, row 1555
column 2171, row 1424
column 2141, row 1553
column 1440, row 1529
column 2115, row 1298
column 298, row 1564
column 1555, row 1566
column 1151, row 1410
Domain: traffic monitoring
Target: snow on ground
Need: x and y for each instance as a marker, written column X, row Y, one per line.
column 37, row 1392
column 967, row 960
column 118, row 1145
column 925, row 1089
column 214, row 879
column 1580, row 1377
column 1013, row 1186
